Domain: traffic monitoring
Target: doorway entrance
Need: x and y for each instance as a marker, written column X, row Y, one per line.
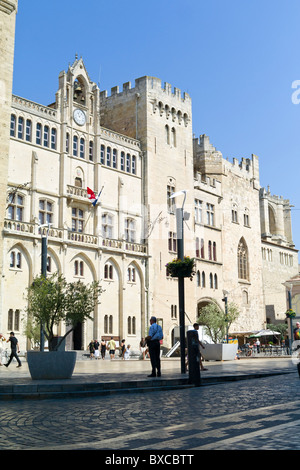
column 77, row 337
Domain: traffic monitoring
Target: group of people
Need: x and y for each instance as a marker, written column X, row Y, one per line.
column 99, row 349
column 96, row 349
column 14, row 345
column 148, row 346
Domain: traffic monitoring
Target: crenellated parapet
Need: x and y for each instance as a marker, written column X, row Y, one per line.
column 148, row 93
column 151, row 84
column 245, row 167
column 208, row 160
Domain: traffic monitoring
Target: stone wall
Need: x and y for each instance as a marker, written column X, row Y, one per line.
column 8, row 10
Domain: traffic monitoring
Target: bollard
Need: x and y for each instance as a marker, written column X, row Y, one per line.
column 194, row 358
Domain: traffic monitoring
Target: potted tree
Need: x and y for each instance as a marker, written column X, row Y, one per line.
column 52, row 301
column 215, row 323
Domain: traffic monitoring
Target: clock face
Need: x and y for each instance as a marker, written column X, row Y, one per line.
column 79, row 117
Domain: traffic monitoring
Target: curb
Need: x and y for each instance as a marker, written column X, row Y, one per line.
column 77, row 390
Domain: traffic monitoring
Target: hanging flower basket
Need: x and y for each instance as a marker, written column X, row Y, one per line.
column 182, row 268
column 290, row 313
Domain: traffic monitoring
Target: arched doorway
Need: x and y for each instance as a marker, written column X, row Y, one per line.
column 202, row 303
column 77, row 337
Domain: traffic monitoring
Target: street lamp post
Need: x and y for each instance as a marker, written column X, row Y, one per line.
column 289, row 286
column 291, row 320
column 43, row 271
column 180, row 254
column 225, row 299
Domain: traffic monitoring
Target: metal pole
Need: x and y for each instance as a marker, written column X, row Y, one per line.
column 225, row 300
column 44, row 273
column 179, row 220
column 226, row 319
column 291, row 321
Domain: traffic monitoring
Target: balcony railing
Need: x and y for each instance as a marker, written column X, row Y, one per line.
column 32, row 230
column 123, row 245
column 77, row 192
column 82, row 238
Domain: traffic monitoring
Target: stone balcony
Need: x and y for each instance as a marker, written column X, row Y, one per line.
column 31, row 231
column 76, row 192
column 124, row 246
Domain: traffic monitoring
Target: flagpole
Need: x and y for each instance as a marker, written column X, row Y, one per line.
column 94, row 207
column 86, row 221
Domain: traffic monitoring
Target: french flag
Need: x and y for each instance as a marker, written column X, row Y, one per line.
column 92, row 197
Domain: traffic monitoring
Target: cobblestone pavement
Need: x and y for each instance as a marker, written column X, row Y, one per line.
column 251, row 414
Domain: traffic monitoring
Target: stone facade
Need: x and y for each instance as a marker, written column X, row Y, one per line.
column 136, row 148
column 52, row 162
column 8, row 9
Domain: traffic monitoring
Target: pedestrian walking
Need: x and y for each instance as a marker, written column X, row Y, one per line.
column 123, row 349
column 143, row 347
column 103, row 348
column 96, row 347
column 153, row 341
column 111, row 347
column 92, row 349
column 196, row 327
column 14, row 347
column 127, row 352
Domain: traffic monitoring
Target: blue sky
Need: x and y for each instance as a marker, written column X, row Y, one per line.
column 238, row 59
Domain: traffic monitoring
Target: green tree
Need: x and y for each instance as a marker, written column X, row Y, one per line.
column 216, row 322
column 280, row 327
column 32, row 331
column 52, row 300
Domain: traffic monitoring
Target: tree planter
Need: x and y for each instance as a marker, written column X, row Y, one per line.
column 51, row 365
column 219, row 352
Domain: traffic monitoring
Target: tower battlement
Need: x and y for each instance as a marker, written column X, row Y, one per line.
column 151, row 84
column 208, row 160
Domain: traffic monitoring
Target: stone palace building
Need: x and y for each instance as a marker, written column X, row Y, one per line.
column 135, row 145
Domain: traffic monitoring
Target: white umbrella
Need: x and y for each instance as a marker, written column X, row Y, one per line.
column 266, row 333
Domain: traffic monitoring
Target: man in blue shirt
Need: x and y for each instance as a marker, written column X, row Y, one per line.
column 153, row 342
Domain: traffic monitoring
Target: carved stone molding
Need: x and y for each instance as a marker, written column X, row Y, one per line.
column 8, row 6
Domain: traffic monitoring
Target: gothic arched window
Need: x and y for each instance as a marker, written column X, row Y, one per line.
column 243, row 263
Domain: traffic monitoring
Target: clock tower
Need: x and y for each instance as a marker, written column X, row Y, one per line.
column 78, row 104
column 78, row 99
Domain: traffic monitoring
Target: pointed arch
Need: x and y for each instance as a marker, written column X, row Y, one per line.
column 272, row 220
column 80, row 90
column 25, row 253
column 206, row 301
column 243, row 260
column 113, row 307
column 142, row 307
column 87, row 260
column 54, row 256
